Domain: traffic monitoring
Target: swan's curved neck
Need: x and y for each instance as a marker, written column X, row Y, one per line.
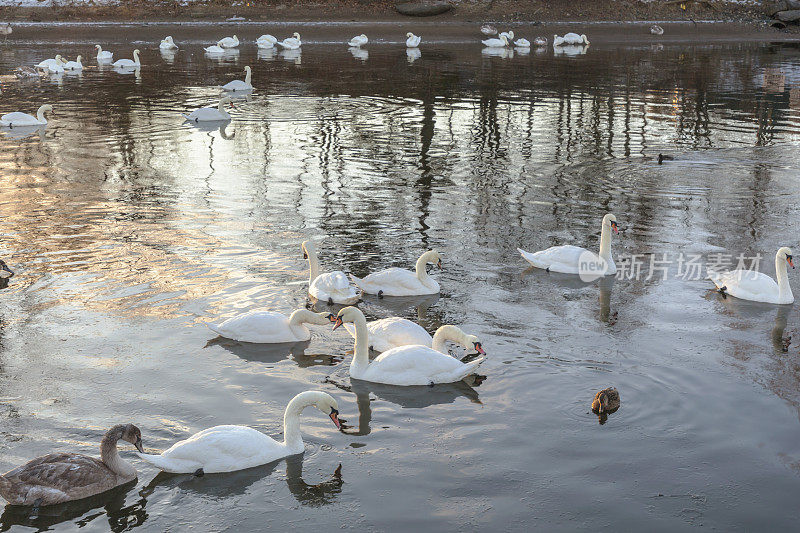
column 444, row 334
column 304, row 316
column 313, row 264
column 605, row 243
column 784, row 290
column 422, row 271
column 40, row 118
column 361, row 352
column 110, row 456
column 248, row 77
column 292, row 438
column 136, row 56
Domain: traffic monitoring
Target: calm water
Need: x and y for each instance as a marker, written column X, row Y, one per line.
column 128, row 228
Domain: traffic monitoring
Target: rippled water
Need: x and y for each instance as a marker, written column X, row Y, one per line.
column 128, row 228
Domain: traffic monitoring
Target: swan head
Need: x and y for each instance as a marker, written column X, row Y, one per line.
column 78, row 60
column 46, row 108
column 583, row 37
column 129, row 433
column 97, row 46
column 296, row 35
column 786, row 253
column 136, row 53
column 168, row 38
column 472, row 340
column 348, row 314
column 235, row 38
column 433, row 257
column 611, row 221
column 247, row 68
column 409, row 35
column 308, row 246
column 328, row 405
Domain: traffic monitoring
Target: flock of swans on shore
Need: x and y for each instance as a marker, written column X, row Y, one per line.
column 409, row 356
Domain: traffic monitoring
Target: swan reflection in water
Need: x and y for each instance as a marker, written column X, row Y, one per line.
column 273, row 353
column 120, row 517
column 236, row 483
column 267, row 54
column 571, row 50
column 21, row 132
column 399, row 305
column 755, row 313
column 570, row 281
column 412, row 54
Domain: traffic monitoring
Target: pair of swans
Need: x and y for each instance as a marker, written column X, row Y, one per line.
column 18, row 119
column 569, row 38
column 167, row 43
column 358, row 41
column 128, row 63
column 211, row 113
column 239, row 85
column 103, row 56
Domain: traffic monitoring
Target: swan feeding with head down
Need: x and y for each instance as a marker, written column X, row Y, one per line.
column 404, row 365
column 392, row 332
column 62, row 477
column 756, row 286
column 230, row 448
column 266, row 41
column 570, row 38
column 332, row 287
column 401, row 282
column 269, row 327
column 567, row 258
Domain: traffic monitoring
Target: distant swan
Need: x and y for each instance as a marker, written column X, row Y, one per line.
column 522, row 43
column 570, row 38
column 17, row 119
column 168, row 44
column 239, row 85
column 412, row 41
column 331, row 287
column 103, row 56
column 266, row 41
column 358, row 40
column 74, row 65
column 62, row 477
column 269, row 327
column 488, row 29
column 228, row 42
column 756, row 286
column 214, row 49
column 496, row 43
column 655, row 29
column 210, row 113
column 55, row 65
column 540, row 41
column 401, row 282
column 509, row 35
column 291, row 43
column 128, row 63
column 231, row 448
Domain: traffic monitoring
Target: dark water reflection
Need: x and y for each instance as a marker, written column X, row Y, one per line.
column 128, row 228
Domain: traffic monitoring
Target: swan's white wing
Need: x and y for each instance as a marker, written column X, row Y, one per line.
column 393, row 279
column 415, row 365
column 493, row 43
column 258, row 326
column 17, row 118
column 237, row 85
column 564, row 259
column 392, row 332
column 333, row 285
column 747, row 285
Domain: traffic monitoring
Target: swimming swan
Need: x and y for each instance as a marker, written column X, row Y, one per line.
column 412, row 41
column 167, row 43
column 358, row 40
column 331, row 287
column 566, row 259
column 239, row 85
column 266, row 41
column 402, row 282
column 74, row 65
column 231, row 448
column 228, row 42
column 496, row 43
column 404, row 365
column 128, row 63
column 291, row 43
column 570, row 38
column 103, row 56
column 268, row 327
column 61, row 477
column 755, row 286
column 17, row 119
column 210, row 113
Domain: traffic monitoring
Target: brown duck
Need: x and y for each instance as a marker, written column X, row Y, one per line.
column 61, row 477
column 606, row 401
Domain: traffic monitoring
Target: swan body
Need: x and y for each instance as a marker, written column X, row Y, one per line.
column 266, row 41
column 655, row 29
column 488, row 29
column 412, row 41
column 103, row 56
column 214, row 49
column 509, row 35
column 331, row 287
column 268, row 327
column 566, row 259
column 404, row 365
column 496, row 43
column 17, row 119
column 540, row 41
column 167, row 43
column 54, row 66
column 239, row 85
column 228, row 42
column 128, row 63
column 291, row 43
column 570, row 38
column 23, row 73
column 62, row 477
column 358, row 40
column 522, row 43
column 74, row 65
column 388, row 333
column 756, row 286
column 402, row 282
column 230, row 448
column 210, row 113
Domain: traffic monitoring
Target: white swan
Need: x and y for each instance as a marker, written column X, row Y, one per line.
column 210, row 113
column 291, row 43
column 566, row 259
column 74, row 65
column 392, row 332
column 405, row 365
column 167, row 43
column 570, row 38
column 266, row 41
column 509, row 35
column 522, row 43
column 331, row 287
column 128, row 63
column 358, row 40
column 17, row 119
column 231, row 448
column 488, row 29
column 53, row 65
column 103, row 56
column 496, row 43
column 239, row 85
column 655, row 29
column 214, row 49
column 228, row 42
column 755, row 286
column 268, row 327
column 540, row 41
column 401, row 282
column 412, row 41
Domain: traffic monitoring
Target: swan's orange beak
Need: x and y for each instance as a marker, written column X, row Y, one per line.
column 439, row 264
column 789, row 260
column 614, row 227
column 479, row 348
column 335, row 417
column 337, row 323
column 332, row 318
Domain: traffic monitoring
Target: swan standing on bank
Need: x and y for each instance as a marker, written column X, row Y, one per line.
column 401, row 282
column 566, row 259
column 569, row 38
column 291, row 43
column 210, row 113
column 74, row 65
column 331, row 287
column 268, row 327
column 358, row 40
column 266, row 41
column 167, row 43
column 128, row 63
column 392, row 332
column 412, row 41
column 239, row 85
column 405, row 365
column 17, row 119
column 62, row 477
column 103, row 56
column 496, row 43
column 231, row 448
column 756, row 286
column 228, row 42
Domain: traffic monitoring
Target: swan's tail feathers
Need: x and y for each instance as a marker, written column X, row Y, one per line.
column 214, row 327
column 527, row 256
column 174, row 466
column 466, row 370
column 358, row 282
